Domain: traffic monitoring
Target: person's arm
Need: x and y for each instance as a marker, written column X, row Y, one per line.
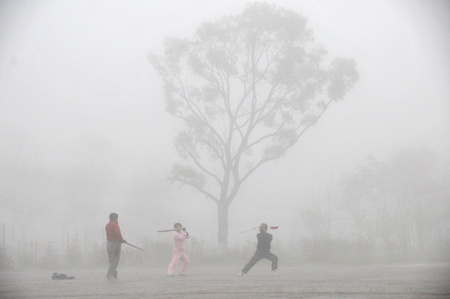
column 186, row 233
column 182, row 235
column 118, row 233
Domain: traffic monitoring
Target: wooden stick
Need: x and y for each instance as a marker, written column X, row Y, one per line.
column 134, row 246
column 271, row 227
column 247, row 230
column 169, row 230
column 166, row 230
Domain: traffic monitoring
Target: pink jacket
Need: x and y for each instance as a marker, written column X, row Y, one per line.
column 179, row 240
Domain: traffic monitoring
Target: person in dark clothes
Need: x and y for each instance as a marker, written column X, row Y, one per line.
column 113, row 245
column 262, row 251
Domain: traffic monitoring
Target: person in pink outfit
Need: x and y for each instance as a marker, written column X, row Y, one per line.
column 179, row 237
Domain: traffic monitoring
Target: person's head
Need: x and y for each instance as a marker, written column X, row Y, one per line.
column 113, row 217
column 263, row 227
column 177, row 226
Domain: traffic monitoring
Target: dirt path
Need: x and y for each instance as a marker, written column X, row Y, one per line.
column 309, row 281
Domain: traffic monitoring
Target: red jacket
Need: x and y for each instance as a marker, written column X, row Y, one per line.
column 113, row 231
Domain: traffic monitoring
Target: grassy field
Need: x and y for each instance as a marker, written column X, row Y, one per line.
column 305, row 281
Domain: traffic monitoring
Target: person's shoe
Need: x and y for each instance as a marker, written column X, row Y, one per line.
column 182, row 274
column 274, row 272
column 240, row 274
column 169, row 274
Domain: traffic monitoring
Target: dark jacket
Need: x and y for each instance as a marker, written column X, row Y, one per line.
column 264, row 240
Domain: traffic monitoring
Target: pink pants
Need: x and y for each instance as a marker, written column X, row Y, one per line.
column 177, row 256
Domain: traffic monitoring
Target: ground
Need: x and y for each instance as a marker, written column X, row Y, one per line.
column 303, row 281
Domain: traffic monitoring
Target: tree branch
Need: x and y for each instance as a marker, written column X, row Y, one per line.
column 197, row 112
column 264, row 160
column 218, row 154
column 209, row 195
column 312, row 123
column 197, row 162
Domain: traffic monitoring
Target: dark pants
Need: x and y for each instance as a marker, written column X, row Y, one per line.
column 113, row 248
column 261, row 255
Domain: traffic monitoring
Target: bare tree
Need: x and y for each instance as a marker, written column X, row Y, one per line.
column 246, row 87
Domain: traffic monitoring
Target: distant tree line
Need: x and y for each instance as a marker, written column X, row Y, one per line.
column 393, row 210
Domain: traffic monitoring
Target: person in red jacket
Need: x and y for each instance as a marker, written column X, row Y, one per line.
column 113, row 245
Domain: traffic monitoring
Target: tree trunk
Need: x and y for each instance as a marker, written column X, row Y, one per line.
column 223, row 226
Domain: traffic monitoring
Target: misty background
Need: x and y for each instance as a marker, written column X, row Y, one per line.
column 84, row 132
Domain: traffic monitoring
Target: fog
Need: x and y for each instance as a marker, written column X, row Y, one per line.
column 84, row 132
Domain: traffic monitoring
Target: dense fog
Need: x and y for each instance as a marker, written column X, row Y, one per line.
column 85, row 130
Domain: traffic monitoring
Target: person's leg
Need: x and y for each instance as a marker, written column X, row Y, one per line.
column 185, row 259
column 110, row 250
column 255, row 258
column 175, row 259
column 114, row 265
column 115, row 259
column 274, row 259
column 113, row 248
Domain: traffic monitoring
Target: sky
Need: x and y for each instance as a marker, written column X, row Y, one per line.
column 76, row 89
